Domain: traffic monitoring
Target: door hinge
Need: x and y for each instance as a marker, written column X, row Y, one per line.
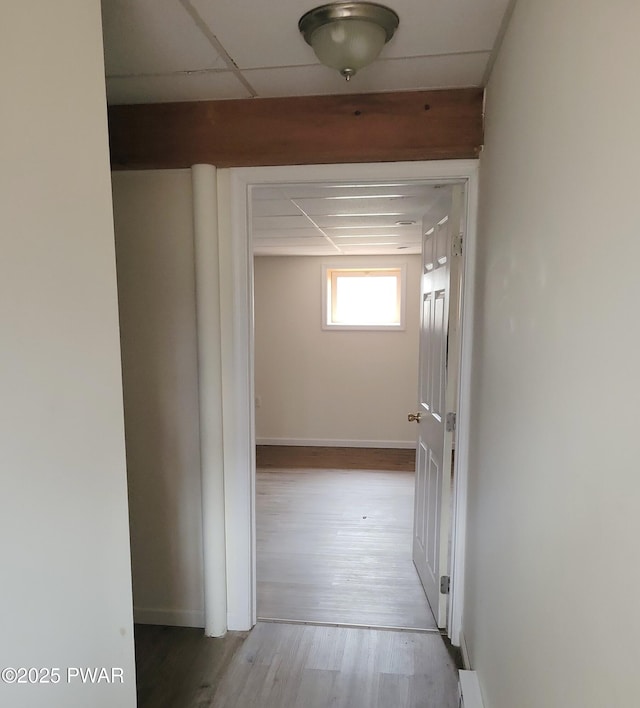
column 450, row 422
column 456, row 246
column 445, row 584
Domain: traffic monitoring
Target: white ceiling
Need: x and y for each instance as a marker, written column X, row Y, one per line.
column 332, row 220
column 190, row 50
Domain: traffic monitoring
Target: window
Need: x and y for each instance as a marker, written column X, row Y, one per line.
column 363, row 298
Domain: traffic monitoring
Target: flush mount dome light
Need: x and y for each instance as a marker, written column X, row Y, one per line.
column 348, row 36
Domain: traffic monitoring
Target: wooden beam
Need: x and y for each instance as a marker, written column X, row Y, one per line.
column 416, row 125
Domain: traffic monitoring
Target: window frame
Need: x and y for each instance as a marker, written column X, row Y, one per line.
column 328, row 305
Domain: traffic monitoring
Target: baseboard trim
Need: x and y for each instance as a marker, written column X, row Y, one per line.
column 304, row 442
column 169, row 618
column 470, row 694
column 465, row 652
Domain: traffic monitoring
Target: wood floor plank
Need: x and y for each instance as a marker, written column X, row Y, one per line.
column 392, row 690
column 335, row 546
column 327, row 649
column 318, row 688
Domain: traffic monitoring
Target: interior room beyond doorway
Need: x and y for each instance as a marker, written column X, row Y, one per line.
column 334, row 545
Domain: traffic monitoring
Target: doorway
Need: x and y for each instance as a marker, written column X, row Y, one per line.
column 337, row 274
column 234, row 197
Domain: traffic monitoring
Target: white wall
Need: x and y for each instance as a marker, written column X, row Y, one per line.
column 552, row 614
column 155, row 250
column 340, row 387
column 66, row 585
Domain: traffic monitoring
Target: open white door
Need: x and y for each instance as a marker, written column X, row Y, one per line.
column 437, row 395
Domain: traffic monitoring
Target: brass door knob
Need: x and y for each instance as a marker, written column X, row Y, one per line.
column 414, row 417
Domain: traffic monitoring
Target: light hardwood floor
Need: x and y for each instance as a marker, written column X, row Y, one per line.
column 293, row 666
column 334, row 546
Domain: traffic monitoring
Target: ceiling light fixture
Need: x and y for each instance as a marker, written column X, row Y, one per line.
column 348, row 36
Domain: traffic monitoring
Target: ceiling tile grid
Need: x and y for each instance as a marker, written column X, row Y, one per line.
column 153, row 37
column 177, row 50
column 427, row 27
column 343, row 219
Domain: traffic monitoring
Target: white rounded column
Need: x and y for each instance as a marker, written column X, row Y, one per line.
column 205, row 228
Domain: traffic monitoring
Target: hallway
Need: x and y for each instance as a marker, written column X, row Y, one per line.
column 334, row 545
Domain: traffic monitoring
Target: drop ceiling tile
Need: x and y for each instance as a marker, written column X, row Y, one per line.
column 373, row 232
column 259, row 194
column 397, row 240
column 396, row 209
column 356, row 204
column 274, row 207
column 349, row 210
column 382, row 216
column 383, row 252
column 426, row 27
column 153, row 37
column 304, row 244
column 343, row 195
column 357, row 222
column 301, row 235
column 258, row 34
column 283, row 223
column 455, row 71
column 436, row 27
column 379, row 250
column 288, row 251
column 175, row 87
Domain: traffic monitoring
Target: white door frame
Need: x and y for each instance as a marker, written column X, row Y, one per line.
column 236, row 316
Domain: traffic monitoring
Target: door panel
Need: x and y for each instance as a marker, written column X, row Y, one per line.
column 419, row 535
column 434, row 451
column 438, row 334
column 425, row 374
